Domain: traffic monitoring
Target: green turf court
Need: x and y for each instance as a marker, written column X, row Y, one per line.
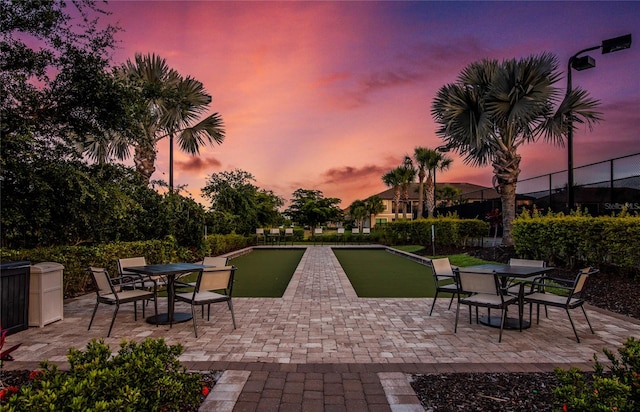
column 380, row 274
column 374, row 273
column 265, row 273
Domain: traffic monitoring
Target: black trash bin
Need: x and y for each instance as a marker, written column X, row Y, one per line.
column 14, row 296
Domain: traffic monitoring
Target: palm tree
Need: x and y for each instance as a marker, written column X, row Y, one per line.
column 358, row 211
column 393, row 179
column 172, row 105
column 428, row 160
column 493, row 108
column 407, row 174
column 440, row 162
column 374, row 206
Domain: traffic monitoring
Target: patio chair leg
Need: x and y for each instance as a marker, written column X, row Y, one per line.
column 585, row 316
column 502, row 320
column 155, row 304
column 193, row 315
column 575, row 332
column 95, row 309
column 450, row 302
column 113, row 319
column 434, row 303
column 233, row 318
column 455, row 329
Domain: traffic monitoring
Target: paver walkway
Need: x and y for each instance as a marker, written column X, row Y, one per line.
column 320, row 347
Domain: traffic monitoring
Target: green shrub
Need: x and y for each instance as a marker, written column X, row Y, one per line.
column 579, row 239
column 449, row 231
column 76, row 259
column 617, row 390
column 141, row 377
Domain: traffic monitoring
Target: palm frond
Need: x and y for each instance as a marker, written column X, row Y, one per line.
column 210, row 130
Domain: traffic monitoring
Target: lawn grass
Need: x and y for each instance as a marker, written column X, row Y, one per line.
column 380, row 274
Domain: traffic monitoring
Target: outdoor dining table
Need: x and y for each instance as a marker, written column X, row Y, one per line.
column 170, row 271
column 507, row 273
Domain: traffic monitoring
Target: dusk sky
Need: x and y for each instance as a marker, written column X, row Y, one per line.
column 332, row 95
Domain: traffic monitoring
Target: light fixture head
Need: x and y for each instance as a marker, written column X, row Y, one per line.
column 583, row 63
column 615, row 44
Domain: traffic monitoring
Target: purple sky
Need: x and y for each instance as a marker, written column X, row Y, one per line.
column 331, row 95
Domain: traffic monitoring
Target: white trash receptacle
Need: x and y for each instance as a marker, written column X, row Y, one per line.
column 45, row 294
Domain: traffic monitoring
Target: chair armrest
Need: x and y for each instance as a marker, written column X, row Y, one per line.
column 179, row 284
column 557, row 280
column 135, row 279
column 542, row 284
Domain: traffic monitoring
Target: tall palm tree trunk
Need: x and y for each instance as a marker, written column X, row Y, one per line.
column 506, row 168
column 405, row 200
column 430, row 195
column 421, row 175
column 396, row 199
column 144, row 159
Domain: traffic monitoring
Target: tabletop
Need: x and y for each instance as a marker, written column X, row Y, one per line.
column 512, row 271
column 166, row 268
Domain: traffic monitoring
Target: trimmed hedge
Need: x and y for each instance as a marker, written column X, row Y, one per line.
column 579, row 240
column 449, row 231
column 76, row 259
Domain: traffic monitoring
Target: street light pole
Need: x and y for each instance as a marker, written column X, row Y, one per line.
column 583, row 63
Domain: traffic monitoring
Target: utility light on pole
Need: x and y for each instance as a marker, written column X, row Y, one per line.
column 583, row 63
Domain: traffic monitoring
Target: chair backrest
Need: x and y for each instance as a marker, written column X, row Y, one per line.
column 527, row 262
column 366, row 230
column 355, row 231
column 216, row 261
column 479, row 281
column 101, row 281
column 581, row 280
column 341, row 231
column 130, row 262
column 275, row 231
column 260, row 232
column 216, row 279
column 317, row 231
column 442, row 267
column 288, row 232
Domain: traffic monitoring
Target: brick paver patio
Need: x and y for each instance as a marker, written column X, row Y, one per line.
column 320, row 347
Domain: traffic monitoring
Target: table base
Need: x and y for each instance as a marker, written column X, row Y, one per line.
column 163, row 318
column 509, row 323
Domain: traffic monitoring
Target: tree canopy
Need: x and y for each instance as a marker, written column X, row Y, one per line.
column 310, row 208
column 495, row 107
column 239, row 205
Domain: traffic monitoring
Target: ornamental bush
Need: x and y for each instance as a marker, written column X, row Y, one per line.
column 76, row 259
column 615, row 390
column 144, row 376
column 579, row 239
column 449, row 231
